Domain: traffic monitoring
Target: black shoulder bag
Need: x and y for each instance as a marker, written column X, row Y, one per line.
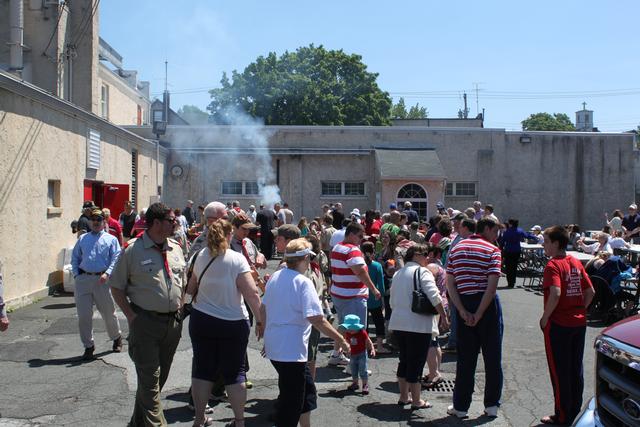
column 419, row 301
column 188, row 307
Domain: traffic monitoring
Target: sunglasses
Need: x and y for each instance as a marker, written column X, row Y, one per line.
column 171, row 220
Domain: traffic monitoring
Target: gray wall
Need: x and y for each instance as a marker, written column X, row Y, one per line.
column 557, row 178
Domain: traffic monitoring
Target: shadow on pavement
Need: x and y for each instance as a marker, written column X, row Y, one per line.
column 68, row 361
column 58, row 306
column 180, row 414
column 389, row 386
column 331, row 374
column 389, row 412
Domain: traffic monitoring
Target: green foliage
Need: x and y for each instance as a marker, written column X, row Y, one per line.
column 193, row 115
column 399, row 111
column 311, row 86
column 546, row 121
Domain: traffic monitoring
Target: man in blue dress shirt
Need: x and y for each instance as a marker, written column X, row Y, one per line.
column 93, row 259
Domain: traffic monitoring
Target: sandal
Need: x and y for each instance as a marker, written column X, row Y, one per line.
column 207, row 422
column 401, row 403
column 550, row 419
column 353, row 387
column 433, row 383
column 425, row 405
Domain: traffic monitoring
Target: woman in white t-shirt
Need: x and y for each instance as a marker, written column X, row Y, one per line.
column 219, row 326
column 290, row 306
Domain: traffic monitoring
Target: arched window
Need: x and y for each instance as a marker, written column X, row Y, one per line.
column 417, row 195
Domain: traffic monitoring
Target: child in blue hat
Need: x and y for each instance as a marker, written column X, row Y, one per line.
column 360, row 342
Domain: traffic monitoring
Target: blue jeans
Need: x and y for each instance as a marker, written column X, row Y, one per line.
column 346, row 306
column 358, row 365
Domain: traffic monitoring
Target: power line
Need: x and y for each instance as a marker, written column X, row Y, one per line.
column 55, row 29
column 87, row 23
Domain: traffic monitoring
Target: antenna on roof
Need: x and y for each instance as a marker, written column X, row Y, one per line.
column 165, row 74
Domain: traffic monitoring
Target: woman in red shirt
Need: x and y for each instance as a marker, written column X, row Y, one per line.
column 567, row 294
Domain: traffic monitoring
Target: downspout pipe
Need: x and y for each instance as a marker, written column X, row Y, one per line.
column 16, row 43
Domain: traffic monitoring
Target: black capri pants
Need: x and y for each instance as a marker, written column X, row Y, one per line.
column 219, row 348
column 297, row 392
column 413, row 348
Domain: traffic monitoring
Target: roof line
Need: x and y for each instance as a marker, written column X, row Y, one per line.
column 35, row 93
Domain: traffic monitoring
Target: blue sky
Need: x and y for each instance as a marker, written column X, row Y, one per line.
column 526, row 57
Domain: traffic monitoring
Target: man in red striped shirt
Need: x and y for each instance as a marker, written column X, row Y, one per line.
column 473, row 271
column 350, row 281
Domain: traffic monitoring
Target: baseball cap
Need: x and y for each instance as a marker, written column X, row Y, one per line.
column 288, row 231
column 241, row 220
column 459, row 216
column 393, row 206
column 88, row 205
column 440, row 205
column 536, row 228
column 97, row 212
column 356, row 212
column 633, row 206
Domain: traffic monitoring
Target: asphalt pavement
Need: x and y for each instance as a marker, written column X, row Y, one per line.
column 44, row 382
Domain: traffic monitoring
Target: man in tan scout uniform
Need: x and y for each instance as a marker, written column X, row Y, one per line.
column 147, row 286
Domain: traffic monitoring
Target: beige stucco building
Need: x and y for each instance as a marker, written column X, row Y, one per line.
column 55, row 156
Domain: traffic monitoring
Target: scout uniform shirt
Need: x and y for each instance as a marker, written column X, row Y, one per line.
column 148, row 281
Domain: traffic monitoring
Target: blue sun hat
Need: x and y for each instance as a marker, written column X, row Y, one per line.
column 352, row 323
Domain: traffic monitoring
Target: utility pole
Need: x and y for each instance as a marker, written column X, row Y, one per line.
column 465, row 112
column 476, row 84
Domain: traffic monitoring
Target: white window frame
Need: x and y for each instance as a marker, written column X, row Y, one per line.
column 454, row 189
column 104, row 101
column 244, row 192
column 343, row 189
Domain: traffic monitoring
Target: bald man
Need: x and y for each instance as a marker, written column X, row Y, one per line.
column 212, row 212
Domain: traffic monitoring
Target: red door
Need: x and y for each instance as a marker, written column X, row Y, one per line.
column 88, row 190
column 113, row 197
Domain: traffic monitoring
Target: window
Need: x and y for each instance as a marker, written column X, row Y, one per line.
column 157, row 115
column 53, row 193
column 354, row 188
column 251, row 187
column 461, row 189
column 53, row 197
column 240, row 188
column 104, row 102
column 343, row 188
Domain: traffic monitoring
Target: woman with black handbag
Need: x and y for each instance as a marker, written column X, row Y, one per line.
column 417, row 307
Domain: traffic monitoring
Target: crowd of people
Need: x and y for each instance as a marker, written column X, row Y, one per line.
column 420, row 283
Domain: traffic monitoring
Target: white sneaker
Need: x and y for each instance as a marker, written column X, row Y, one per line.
column 347, row 370
column 491, row 411
column 340, row 359
column 452, row 411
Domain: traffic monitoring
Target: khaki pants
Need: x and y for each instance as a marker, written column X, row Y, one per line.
column 153, row 339
column 88, row 291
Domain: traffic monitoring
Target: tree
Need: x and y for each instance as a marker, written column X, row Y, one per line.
column 193, row 115
column 546, row 121
column 417, row 112
column 399, row 111
column 311, row 86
